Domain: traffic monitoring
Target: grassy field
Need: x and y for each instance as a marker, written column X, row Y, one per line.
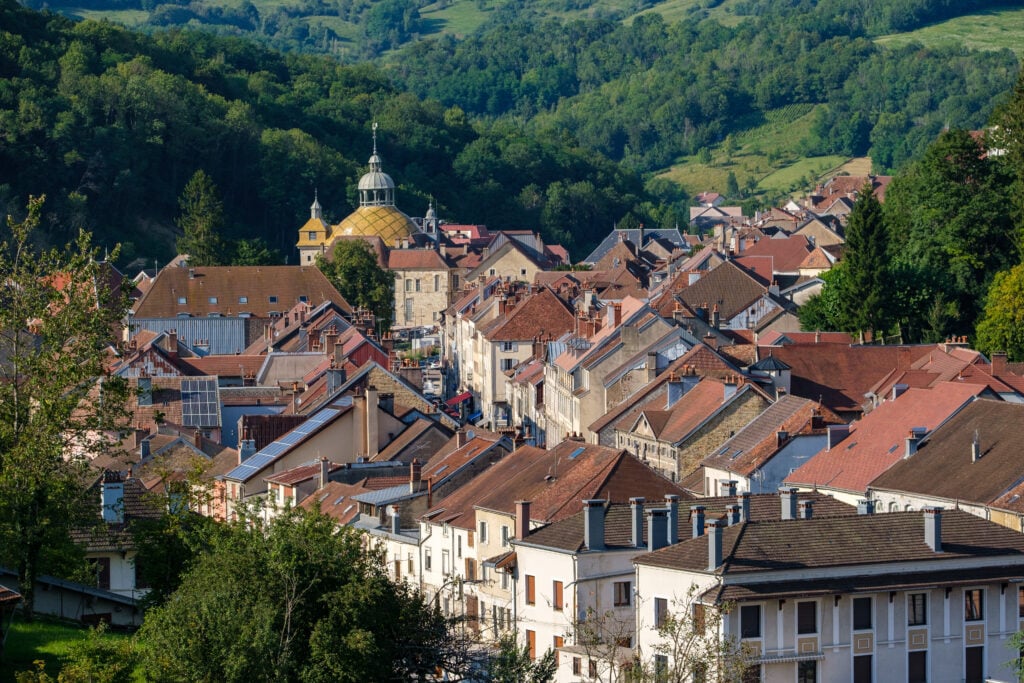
column 989, row 30
column 43, row 639
column 458, row 18
column 765, row 159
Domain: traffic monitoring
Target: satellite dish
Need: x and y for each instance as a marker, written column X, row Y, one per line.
column 470, row 435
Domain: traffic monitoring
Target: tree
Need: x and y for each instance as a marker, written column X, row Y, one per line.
column 57, row 315
column 254, row 252
column 354, row 271
column 201, row 220
column 861, row 292
column 512, row 663
column 1001, row 327
column 293, row 599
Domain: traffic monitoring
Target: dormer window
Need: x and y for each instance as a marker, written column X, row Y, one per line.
column 182, row 301
column 243, row 299
column 311, row 235
column 272, row 299
column 213, row 299
column 304, row 299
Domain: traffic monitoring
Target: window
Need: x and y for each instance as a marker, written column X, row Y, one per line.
column 504, row 535
column 483, row 532
column 243, row 299
column 408, row 285
column 660, row 611
column 806, row 617
column 303, row 299
column 458, row 546
column 426, row 559
column 1020, row 602
column 507, row 364
column 272, row 299
column 750, row 621
column 577, row 666
column 917, row 609
column 917, row 667
column 807, row 672
column 558, row 642
column 101, row 567
column 623, row 589
column 311, row 234
column 140, row 579
column 973, row 610
column 861, row 614
column 446, row 564
column 556, row 595
column 409, row 563
column 182, row 300
column 592, row 668
column 660, row 668
column 504, row 580
column 437, row 283
column 974, row 665
column 531, row 590
column 862, row 669
column 417, row 285
column 212, row 299
column 508, row 347
column 531, row 642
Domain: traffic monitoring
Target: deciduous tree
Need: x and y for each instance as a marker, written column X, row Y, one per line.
column 1002, row 324
column 354, row 270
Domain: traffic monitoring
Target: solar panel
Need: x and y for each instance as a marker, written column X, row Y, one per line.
column 575, row 453
column 200, row 402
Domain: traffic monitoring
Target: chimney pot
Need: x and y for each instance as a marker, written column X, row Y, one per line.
column 805, row 508
column 788, row 497
column 728, row 487
column 865, row 507
column 732, row 514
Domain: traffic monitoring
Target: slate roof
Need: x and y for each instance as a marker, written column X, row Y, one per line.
column 728, row 286
column 567, row 534
column 943, row 466
column 229, row 284
column 877, row 441
column 633, row 235
column 832, row 542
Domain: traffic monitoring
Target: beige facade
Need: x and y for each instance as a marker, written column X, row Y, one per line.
column 421, row 294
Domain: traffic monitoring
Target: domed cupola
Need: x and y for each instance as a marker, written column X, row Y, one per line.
column 376, row 188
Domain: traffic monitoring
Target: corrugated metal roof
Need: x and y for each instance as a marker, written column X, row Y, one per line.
column 224, row 335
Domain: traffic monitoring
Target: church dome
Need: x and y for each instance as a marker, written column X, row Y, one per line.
column 386, row 222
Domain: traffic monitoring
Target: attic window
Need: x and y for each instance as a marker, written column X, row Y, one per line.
column 575, row 453
column 304, row 299
column 243, row 299
column 272, row 299
column 182, row 300
column 312, row 234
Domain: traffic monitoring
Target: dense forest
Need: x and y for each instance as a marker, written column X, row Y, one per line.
column 533, row 121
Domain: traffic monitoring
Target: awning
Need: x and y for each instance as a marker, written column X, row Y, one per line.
column 475, row 416
column 501, row 561
column 461, row 398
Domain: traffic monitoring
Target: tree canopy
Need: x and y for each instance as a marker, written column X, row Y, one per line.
column 354, row 271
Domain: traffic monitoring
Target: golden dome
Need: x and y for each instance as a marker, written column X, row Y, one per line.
column 386, row 222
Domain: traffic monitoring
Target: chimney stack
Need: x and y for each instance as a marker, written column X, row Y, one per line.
column 788, row 497
column 744, row 501
column 593, row 521
column 805, row 509
column 865, row 507
column 657, row 535
column 246, row 449
column 672, row 501
column 460, row 438
column 697, row 519
column 732, row 514
column 728, row 487
column 636, row 507
column 415, row 476
column 714, row 531
column 523, row 520
column 325, row 471
column 913, row 438
column 396, row 519
column 144, row 449
column 976, row 447
column 933, row 528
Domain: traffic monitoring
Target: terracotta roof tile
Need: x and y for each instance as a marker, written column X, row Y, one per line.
column 540, row 313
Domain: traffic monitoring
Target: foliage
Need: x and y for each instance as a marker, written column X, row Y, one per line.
column 862, row 292
column 57, row 316
column 354, row 271
column 822, row 311
column 513, row 664
column 201, row 220
column 1001, row 327
column 100, row 659
column 255, row 252
column 950, row 233
column 292, row 599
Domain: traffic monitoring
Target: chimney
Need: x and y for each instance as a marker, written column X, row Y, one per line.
column 616, row 314
column 716, row 317
column 675, row 390
column 657, row 535
column 913, row 438
column 636, row 507
column 172, row 343
column 805, row 509
column 112, row 497
column 732, row 514
column 144, row 449
column 460, row 438
column 714, row 531
column 728, row 487
column 999, row 363
column 744, row 501
column 672, row 501
column 246, row 449
column 788, row 497
column 933, row 528
column 697, row 519
column 372, row 426
column 197, row 439
column 898, row 390
column 593, row 523
column 865, row 507
column 652, row 365
column 325, row 472
column 836, row 434
column 396, row 519
column 415, row 476
column 330, row 341
column 523, row 520
column 976, row 447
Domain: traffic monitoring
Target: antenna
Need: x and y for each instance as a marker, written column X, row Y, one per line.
column 374, row 137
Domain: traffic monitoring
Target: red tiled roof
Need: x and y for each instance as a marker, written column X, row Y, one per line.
column 416, row 259
column 787, row 253
column 337, row 500
column 537, row 314
column 877, row 441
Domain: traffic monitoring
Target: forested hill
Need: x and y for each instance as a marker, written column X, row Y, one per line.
column 650, row 91
column 110, row 125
